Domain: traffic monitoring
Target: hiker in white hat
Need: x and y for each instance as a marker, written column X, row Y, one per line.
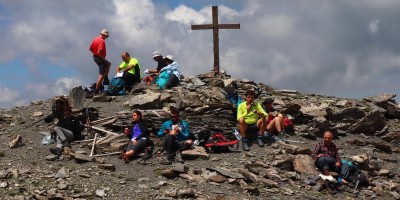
column 98, row 49
column 157, row 56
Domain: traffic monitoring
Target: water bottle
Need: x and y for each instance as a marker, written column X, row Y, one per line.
column 237, row 134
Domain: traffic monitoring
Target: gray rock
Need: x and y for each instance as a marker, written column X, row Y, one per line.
column 304, row 164
column 77, row 97
column 62, row 173
column 226, row 172
column 372, row 122
column 109, row 167
column 62, row 186
column 3, row 184
column 100, row 193
column 101, row 98
column 149, row 100
column 82, row 158
column 180, row 168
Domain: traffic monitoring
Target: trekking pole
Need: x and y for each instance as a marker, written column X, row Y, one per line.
column 94, row 144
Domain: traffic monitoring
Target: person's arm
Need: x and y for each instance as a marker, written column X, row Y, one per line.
column 242, row 111
column 315, row 155
column 184, row 132
column 337, row 156
column 161, row 133
column 137, row 71
column 261, row 110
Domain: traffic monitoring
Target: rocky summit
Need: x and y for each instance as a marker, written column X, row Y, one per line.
column 367, row 132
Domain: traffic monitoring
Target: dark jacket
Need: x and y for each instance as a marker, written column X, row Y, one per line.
column 143, row 128
column 73, row 125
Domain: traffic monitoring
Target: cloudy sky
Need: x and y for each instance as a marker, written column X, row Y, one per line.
column 345, row 48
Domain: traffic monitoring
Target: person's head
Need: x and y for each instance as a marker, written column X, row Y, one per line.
column 174, row 115
column 137, row 116
column 268, row 102
column 328, row 137
column 157, row 56
column 126, row 57
column 104, row 34
column 169, row 59
column 250, row 95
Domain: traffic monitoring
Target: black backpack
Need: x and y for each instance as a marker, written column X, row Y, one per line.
column 358, row 178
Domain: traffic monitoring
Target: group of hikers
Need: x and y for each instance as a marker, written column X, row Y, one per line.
column 254, row 120
column 166, row 75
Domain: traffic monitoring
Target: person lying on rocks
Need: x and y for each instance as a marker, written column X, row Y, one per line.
column 68, row 129
column 139, row 138
column 176, row 136
column 275, row 119
column 161, row 63
column 326, row 157
column 130, row 68
column 251, row 117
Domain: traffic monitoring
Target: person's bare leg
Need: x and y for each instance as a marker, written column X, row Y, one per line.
column 262, row 125
column 242, row 127
column 99, row 81
column 130, row 153
column 271, row 128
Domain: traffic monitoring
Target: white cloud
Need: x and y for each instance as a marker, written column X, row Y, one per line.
column 373, row 26
column 276, row 27
column 8, row 95
column 61, row 87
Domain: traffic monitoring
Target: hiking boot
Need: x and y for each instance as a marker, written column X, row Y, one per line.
column 147, row 154
column 178, row 157
column 56, row 151
column 245, row 146
column 166, row 161
column 281, row 134
column 106, row 81
column 260, row 141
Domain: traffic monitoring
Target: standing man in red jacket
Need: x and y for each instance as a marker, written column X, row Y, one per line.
column 98, row 48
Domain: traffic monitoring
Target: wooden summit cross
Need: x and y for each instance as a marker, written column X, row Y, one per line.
column 215, row 26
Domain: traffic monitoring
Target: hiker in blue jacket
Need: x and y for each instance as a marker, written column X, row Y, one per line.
column 176, row 133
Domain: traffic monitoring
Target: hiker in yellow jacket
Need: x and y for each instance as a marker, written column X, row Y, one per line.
column 251, row 117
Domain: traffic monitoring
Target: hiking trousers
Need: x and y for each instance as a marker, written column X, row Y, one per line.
column 172, row 145
column 63, row 135
column 173, row 81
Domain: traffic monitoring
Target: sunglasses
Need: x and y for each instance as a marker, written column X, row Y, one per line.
column 174, row 117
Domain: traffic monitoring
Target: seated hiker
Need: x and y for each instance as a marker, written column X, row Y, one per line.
column 251, row 117
column 68, row 129
column 154, row 72
column 275, row 119
column 176, row 136
column 172, row 69
column 327, row 158
column 139, row 137
column 130, row 68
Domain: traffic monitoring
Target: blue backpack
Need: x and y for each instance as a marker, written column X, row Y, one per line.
column 162, row 79
column 116, row 87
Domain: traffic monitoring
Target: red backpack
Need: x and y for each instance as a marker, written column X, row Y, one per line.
column 218, row 142
column 288, row 125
